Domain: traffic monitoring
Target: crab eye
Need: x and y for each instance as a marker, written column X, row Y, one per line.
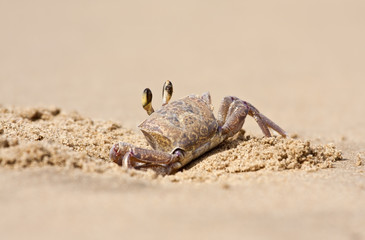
column 146, row 97
column 147, row 101
column 166, row 92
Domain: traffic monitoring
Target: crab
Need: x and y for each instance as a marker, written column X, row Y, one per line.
column 183, row 130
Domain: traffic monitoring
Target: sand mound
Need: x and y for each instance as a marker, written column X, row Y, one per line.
column 246, row 153
column 50, row 137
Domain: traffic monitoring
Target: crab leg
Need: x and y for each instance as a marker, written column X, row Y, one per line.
column 272, row 125
column 233, row 112
column 134, row 157
column 231, row 116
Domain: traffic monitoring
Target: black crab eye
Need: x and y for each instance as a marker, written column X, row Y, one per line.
column 167, row 88
column 146, row 97
column 166, row 92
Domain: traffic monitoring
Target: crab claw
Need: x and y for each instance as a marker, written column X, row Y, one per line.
column 120, row 153
column 114, row 153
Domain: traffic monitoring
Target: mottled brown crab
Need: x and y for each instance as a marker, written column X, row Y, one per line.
column 184, row 129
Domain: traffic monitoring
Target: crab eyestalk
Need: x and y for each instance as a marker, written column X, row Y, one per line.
column 147, row 101
column 166, row 92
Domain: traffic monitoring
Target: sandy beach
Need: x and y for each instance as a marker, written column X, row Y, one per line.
column 72, row 74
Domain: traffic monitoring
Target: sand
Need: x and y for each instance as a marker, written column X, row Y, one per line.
column 71, row 77
column 47, row 148
column 48, row 137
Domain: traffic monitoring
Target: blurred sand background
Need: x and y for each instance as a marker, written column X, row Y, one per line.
column 300, row 62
